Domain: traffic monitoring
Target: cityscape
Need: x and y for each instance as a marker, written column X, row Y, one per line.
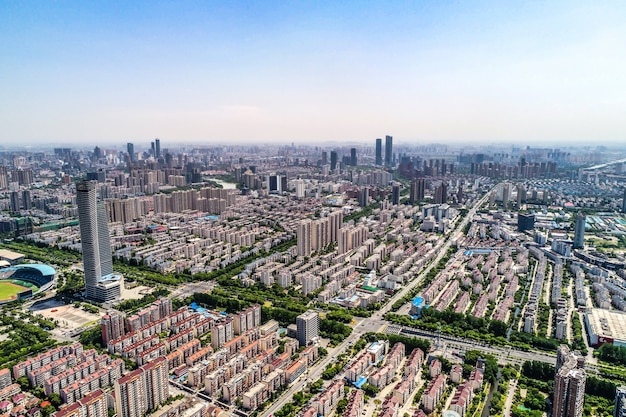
column 298, row 280
column 312, row 209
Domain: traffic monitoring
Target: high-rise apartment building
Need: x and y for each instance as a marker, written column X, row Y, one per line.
column 441, row 193
column 142, row 390
column 27, row 201
column 308, row 326
column 418, row 187
column 379, row 151
column 101, row 283
column 112, row 326
column 4, row 177
column 93, row 404
column 157, row 386
column 388, row 151
column 130, row 395
column 579, row 231
column 506, row 195
column 313, row 235
column 569, row 383
column 16, row 203
column 619, row 410
column 221, row 333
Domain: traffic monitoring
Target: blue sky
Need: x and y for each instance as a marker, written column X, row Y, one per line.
column 223, row 72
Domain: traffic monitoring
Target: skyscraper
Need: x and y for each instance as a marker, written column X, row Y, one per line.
column 4, row 177
column 579, row 231
column 569, row 383
column 130, row 148
column 619, row 409
column 441, row 193
column 100, row 282
column 506, row 195
column 157, row 148
column 418, row 187
column 15, row 201
column 308, row 326
column 388, row 150
column 333, row 160
column 395, row 194
column 379, row 151
column 624, row 202
column 353, row 157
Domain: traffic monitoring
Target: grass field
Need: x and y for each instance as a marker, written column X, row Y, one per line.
column 8, row 290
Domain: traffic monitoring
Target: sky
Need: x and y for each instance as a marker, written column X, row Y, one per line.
column 98, row 72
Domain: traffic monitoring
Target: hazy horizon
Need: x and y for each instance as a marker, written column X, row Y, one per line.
column 543, row 74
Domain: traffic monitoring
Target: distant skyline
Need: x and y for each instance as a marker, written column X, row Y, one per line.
column 541, row 73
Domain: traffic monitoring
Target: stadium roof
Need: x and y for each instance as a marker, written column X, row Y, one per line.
column 42, row 268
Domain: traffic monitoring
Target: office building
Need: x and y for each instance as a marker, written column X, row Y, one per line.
column 569, row 383
column 395, row 194
column 353, row 157
column 130, row 148
column 333, row 160
column 157, row 148
column 579, row 231
column 418, row 187
column 623, row 201
column 308, row 327
column 101, row 283
column 525, row 222
column 619, row 410
column 379, row 151
column 112, row 326
column 388, row 151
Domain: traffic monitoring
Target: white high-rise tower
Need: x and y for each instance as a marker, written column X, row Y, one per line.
column 101, row 284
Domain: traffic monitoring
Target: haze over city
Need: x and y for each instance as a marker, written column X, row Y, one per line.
column 98, row 73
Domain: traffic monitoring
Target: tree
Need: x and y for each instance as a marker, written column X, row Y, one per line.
column 369, row 390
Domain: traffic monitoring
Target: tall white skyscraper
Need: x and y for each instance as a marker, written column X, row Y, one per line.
column 101, row 283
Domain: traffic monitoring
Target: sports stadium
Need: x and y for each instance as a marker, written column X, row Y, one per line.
column 23, row 281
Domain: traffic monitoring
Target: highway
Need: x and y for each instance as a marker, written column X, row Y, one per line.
column 375, row 323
